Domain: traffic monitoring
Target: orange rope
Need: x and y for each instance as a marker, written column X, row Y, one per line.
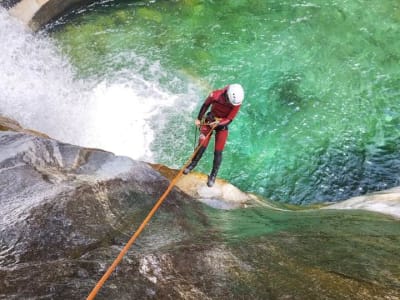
column 107, row 274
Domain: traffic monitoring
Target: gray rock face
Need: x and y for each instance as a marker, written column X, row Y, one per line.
column 36, row 14
column 60, row 203
column 66, row 212
column 8, row 3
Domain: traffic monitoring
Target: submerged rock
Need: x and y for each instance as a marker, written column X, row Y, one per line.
column 66, row 212
column 386, row 202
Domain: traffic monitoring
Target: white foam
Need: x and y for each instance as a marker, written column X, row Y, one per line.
column 115, row 113
column 123, row 117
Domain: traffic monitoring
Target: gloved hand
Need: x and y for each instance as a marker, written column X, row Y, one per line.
column 197, row 122
column 214, row 124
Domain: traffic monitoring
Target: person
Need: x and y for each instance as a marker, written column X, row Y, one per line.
column 225, row 104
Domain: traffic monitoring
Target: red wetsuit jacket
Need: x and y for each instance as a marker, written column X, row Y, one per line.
column 222, row 109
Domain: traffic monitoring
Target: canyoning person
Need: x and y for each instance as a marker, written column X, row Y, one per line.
column 225, row 104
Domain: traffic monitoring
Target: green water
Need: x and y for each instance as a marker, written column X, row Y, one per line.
column 320, row 121
column 356, row 244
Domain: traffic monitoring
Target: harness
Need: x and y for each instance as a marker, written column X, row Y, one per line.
column 209, row 118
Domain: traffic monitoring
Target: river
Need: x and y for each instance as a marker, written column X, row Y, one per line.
column 320, row 120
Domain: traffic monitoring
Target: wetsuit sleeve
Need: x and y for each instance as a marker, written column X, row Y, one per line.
column 230, row 117
column 205, row 107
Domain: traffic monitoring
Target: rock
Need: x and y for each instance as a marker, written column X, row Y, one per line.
column 7, row 124
column 66, row 212
column 8, row 3
column 222, row 195
column 386, row 202
column 37, row 13
column 60, row 201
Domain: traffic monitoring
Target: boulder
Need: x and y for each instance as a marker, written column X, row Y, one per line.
column 386, row 202
column 61, row 202
column 7, row 124
column 222, row 195
column 37, row 13
column 67, row 211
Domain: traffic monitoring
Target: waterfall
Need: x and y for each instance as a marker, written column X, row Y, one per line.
column 40, row 89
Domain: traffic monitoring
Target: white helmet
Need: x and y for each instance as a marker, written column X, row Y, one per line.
column 235, row 94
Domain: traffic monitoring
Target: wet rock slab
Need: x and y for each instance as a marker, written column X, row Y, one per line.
column 67, row 211
column 387, row 202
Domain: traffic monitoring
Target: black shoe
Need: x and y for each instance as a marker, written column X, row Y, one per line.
column 194, row 161
column 211, row 180
column 188, row 169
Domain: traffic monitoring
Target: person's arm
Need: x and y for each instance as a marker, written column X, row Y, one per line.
column 205, row 107
column 230, row 117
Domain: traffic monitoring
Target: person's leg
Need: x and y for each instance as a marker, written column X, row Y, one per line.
column 220, row 141
column 203, row 143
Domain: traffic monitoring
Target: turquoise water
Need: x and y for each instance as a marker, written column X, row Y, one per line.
column 320, row 121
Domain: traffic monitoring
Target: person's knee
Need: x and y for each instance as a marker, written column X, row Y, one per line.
column 218, row 153
column 220, row 145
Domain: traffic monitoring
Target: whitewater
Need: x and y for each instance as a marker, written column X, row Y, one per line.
column 39, row 88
